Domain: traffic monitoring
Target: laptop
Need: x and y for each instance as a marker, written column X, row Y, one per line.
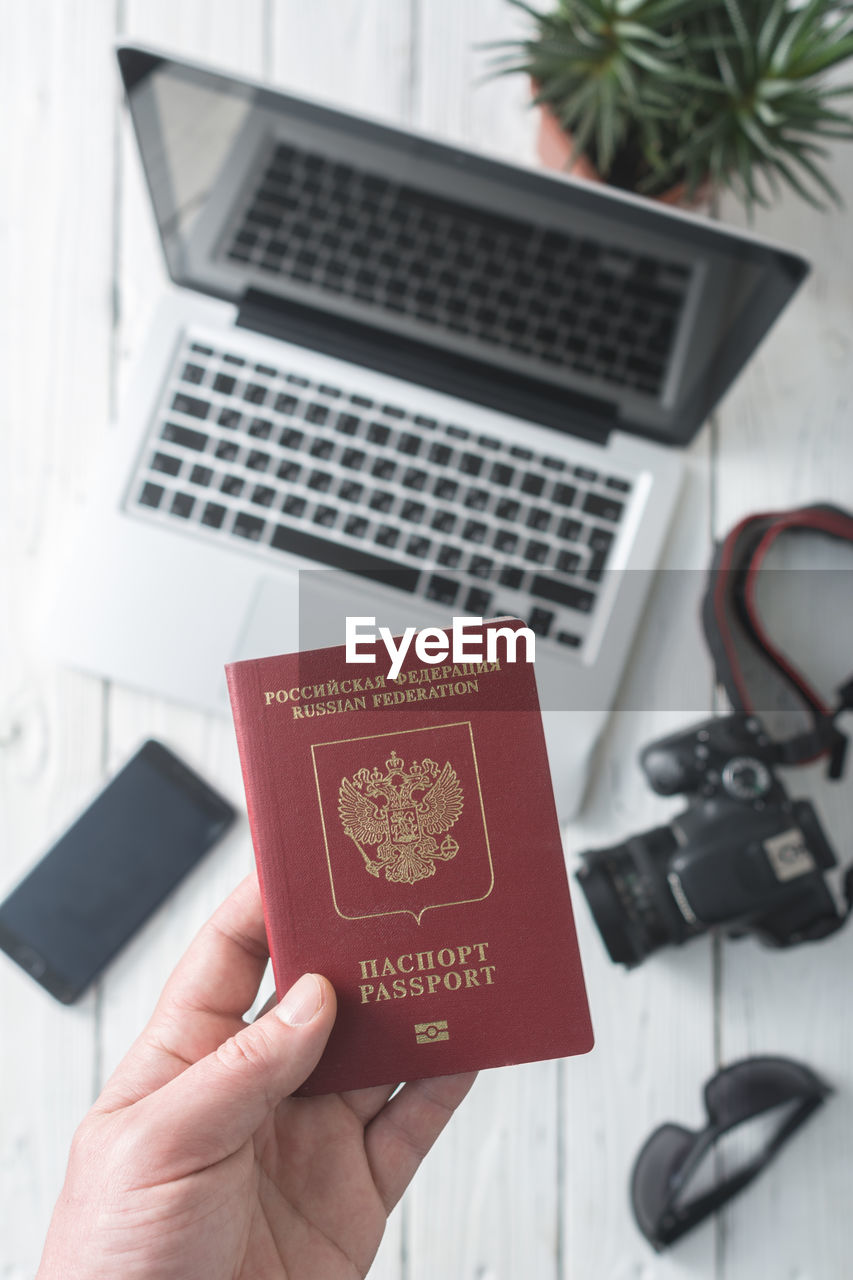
column 393, row 378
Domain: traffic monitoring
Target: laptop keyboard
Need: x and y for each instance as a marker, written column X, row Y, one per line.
column 569, row 301
column 277, row 461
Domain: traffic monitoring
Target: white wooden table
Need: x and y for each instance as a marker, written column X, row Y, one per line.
column 531, row 1179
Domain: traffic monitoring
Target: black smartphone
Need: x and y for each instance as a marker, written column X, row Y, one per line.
column 107, row 873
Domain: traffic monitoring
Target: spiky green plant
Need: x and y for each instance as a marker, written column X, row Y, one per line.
column 660, row 92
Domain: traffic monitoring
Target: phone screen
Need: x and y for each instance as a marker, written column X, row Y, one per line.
column 108, row 872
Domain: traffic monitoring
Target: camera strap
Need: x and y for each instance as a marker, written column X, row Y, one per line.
column 759, row 678
column 755, row 672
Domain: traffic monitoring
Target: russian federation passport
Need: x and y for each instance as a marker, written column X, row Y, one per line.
column 408, row 848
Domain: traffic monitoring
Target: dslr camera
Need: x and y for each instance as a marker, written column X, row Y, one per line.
column 741, row 858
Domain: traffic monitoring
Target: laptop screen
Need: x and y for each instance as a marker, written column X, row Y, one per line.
column 612, row 306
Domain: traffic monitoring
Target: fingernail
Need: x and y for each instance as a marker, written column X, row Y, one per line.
column 302, row 1002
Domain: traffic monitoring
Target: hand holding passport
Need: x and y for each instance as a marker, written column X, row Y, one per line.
column 194, row 1161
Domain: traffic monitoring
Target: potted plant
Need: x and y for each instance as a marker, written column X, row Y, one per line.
column 670, row 97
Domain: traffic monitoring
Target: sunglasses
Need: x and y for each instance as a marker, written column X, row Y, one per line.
column 672, row 1155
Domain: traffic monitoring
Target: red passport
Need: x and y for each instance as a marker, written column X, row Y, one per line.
column 408, row 848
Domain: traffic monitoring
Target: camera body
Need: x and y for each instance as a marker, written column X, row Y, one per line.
column 741, row 858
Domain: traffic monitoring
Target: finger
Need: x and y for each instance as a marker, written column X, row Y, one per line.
column 202, row 1003
column 212, row 1108
column 366, row 1103
column 397, row 1140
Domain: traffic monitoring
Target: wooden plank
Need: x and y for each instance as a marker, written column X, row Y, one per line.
column 654, row 1025
column 55, row 337
column 785, row 440
column 219, row 33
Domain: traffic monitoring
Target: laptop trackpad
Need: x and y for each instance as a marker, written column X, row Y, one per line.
column 309, row 611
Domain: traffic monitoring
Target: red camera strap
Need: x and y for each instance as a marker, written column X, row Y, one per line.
column 756, row 674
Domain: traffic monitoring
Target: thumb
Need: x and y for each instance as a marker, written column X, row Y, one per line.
column 210, row 1110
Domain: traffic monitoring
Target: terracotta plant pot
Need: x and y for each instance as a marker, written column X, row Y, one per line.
column 554, row 148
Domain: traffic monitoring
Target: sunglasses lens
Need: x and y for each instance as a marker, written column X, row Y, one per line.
column 748, row 1088
column 653, row 1184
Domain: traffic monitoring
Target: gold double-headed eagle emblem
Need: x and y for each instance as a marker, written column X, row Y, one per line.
column 398, row 813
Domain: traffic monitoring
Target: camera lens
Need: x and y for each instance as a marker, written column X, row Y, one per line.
column 629, row 897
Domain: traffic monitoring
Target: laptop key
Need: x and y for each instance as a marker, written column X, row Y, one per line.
column 414, row 479
column 166, row 463
column 213, row 515
column 387, row 536
column 532, row 483
column 412, row 511
column 444, row 590
column 190, row 405
column 617, row 485
column 605, row 508
column 383, row 469
column 316, row 413
column 285, row 403
column 255, row 393
column 538, row 518
column 347, row 424
column 351, row 491
column 326, row 516
column 232, row 485
column 151, row 494
column 507, row 509
column 477, row 602
column 224, row 383
column 564, row 494
column 249, row 527
column 567, row 561
column 227, row 450
column 229, row 418
column 418, row 547
column 294, row 506
column 201, row 475
column 192, row 373
column 600, row 539
column 409, row 444
column 536, row 551
column 477, row 499
column 474, row 531
column 260, row 428
column 564, row 593
column 505, row 541
column 258, row 461
column 290, row 438
column 184, row 436
column 377, row 433
column 571, row 530
column 289, row 471
column 381, row 500
column 440, row 454
column 443, row 521
column 569, row 639
column 510, row 576
column 445, row 489
column 323, row 449
column 356, row 526
column 263, row 495
column 540, row 621
column 501, row 474
column 449, row 556
column 480, row 566
column 182, row 505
